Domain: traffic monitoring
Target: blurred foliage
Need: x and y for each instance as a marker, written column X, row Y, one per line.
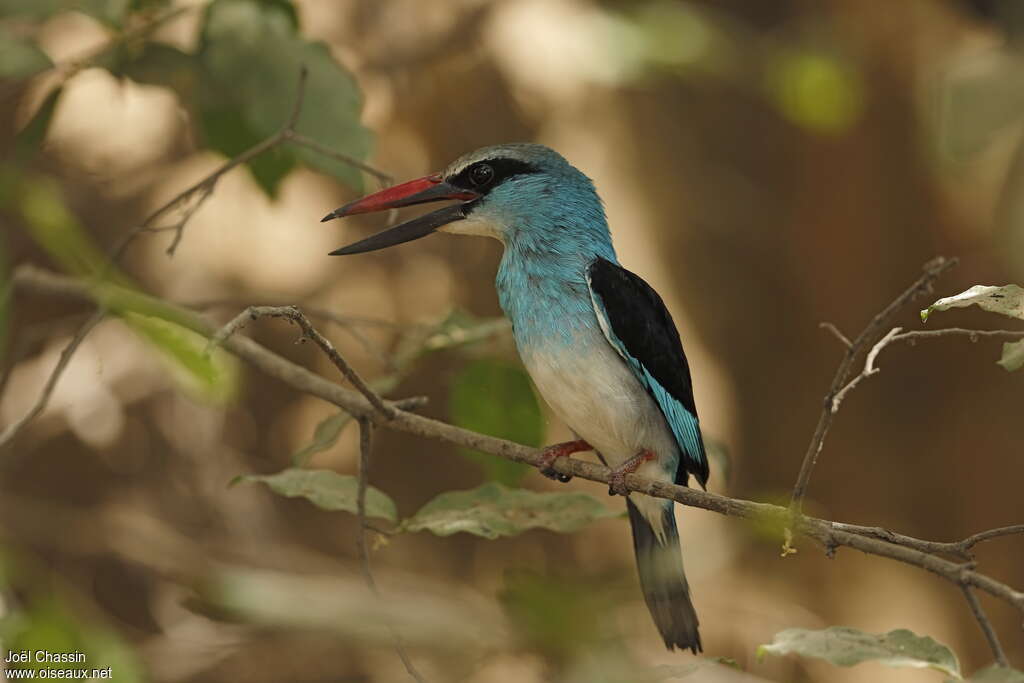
column 19, row 57
column 240, row 85
column 327, row 490
column 494, row 510
column 1007, row 300
column 42, row 619
column 844, row 646
column 496, row 398
column 557, row 616
column 325, row 435
column 997, row 674
column 110, row 12
column 40, row 204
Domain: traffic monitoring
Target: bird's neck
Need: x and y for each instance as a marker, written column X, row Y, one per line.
column 542, row 286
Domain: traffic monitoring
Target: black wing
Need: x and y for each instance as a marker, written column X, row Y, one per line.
column 637, row 324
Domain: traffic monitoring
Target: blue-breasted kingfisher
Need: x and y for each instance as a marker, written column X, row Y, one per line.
column 598, row 341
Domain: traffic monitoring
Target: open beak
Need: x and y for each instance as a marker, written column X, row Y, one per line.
column 431, row 188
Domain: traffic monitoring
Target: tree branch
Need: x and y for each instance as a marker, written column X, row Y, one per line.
column 365, row 447
column 986, row 626
column 932, row 270
column 12, row 429
column 830, row 535
column 293, row 314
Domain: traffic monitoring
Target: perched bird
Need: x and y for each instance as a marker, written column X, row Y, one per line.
column 597, row 340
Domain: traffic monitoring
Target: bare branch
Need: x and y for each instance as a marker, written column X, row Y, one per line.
column 309, row 143
column 869, row 369
column 293, row 314
column 836, row 333
column 986, row 626
column 12, row 429
column 932, row 270
column 365, row 447
column 830, row 535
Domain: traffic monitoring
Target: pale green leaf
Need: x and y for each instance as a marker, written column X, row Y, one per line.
column 324, row 436
column 19, row 56
column 844, row 646
column 494, row 510
column 1007, row 300
column 997, row 674
column 496, row 398
column 327, row 490
column 1013, row 355
column 40, row 202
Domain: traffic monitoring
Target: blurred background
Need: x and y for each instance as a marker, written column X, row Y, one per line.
column 766, row 166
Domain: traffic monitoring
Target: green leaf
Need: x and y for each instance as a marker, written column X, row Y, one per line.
column 110, row 12
column 495, row 398
column 327, row 490
column 494, row 510
column 57, row 230
column 844, row 646
column 996, row 674
column 1007, row 300
column 19, row 56
column 159, row 64
column 252, row 55
column 1013, row 355
column 48, row 625
column 29, row 139
column 324, row 436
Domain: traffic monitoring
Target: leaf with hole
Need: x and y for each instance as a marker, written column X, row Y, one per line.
column 494, row 510
column 844, row 646
column 327, row 490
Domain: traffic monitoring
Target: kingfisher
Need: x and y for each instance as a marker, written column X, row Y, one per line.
column 597, row 341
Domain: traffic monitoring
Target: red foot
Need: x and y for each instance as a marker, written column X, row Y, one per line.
column 617, row 480
column 559, row 450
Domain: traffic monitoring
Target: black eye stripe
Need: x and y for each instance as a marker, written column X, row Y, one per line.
column 503, row 170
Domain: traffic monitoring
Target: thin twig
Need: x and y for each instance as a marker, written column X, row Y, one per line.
column 960, row 549
column 829, row 534
column 12, row 429
column 302, row 141
column 986, row 626
column 868, row 371
column 365, row 447
column 293, row 314
column 932, row 270
column 205, row 187
column 836, row 333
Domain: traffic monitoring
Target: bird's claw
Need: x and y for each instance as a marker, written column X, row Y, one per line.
column 552, row 473
column 552, row 453
column 617, row 484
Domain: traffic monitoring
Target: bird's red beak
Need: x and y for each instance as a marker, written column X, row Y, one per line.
column 431, row 188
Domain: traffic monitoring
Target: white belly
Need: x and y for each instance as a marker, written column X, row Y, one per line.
column 596, row 394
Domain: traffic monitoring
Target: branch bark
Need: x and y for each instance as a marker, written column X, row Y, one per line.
column 830, row 535
column 932, row 270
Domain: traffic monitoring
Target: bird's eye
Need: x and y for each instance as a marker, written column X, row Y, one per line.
column 481, row 175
